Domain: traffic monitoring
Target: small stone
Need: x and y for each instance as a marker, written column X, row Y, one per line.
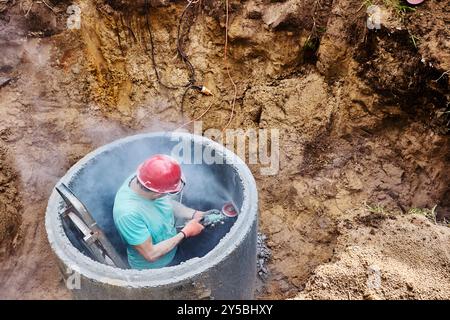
column 284, row 286
column 4, row 81
column 263, row 254
column 76, row 69
column 381, row 197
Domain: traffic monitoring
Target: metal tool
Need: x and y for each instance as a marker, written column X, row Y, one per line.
column 94, row 240
column 213, row 219
column 229, row 210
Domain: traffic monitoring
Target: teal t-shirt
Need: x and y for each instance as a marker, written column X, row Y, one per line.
column 137, row 218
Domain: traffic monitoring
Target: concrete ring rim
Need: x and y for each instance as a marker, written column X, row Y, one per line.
column 89, row 268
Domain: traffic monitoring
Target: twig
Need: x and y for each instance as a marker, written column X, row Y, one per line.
column 51, row 8
column 31, row 5
column 317, row 2
column 198, row 118
column 362, row 5
column 446, row 72
column 180, row 51
column 183, row 97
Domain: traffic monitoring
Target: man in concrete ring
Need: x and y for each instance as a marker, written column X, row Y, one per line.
column 144, row 214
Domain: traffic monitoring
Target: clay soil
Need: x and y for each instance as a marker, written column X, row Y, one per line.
column 363, row 118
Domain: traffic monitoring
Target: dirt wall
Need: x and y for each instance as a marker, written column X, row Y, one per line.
column 361, row 113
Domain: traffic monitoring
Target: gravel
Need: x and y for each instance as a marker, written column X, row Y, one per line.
column 263, row 257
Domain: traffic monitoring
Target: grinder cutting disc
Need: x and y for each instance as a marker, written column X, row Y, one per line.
column 229, row 210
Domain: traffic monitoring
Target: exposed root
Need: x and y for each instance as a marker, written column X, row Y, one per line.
column 228, row 67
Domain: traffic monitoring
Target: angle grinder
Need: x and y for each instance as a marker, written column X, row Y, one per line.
column 215, row 216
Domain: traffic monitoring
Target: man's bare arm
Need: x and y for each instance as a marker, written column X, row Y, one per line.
column 181, row 211
column 153, row 252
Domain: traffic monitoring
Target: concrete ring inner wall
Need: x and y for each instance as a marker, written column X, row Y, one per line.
column 228, row 271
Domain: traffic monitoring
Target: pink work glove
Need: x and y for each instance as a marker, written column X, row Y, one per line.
column 192, row 228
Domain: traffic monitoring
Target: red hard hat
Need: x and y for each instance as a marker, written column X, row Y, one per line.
column 161, row 174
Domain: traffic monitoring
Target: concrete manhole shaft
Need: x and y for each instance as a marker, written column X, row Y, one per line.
column 226, row 271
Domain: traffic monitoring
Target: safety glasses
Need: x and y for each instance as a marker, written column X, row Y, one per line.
column 181, row 189
column 183, row 183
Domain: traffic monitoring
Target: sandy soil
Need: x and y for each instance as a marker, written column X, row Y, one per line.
column 362, row 116
column 383, row 261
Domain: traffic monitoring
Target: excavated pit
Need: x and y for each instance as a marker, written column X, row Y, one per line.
column 363, row 119
column 225, row 266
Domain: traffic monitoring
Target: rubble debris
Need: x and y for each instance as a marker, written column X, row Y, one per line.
column 263, row 256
